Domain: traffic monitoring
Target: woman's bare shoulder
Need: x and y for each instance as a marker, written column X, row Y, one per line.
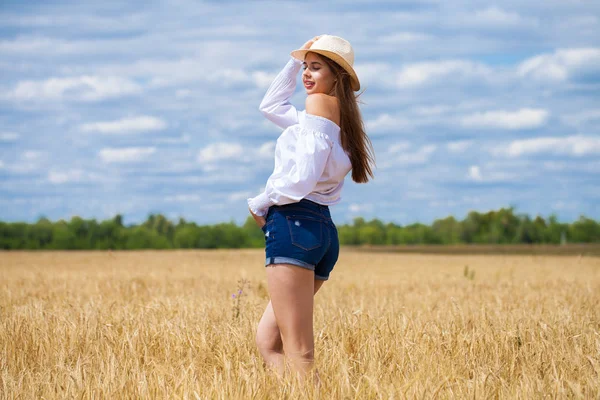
column 323, row 105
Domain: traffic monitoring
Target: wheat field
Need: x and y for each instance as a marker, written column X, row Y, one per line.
column 165, row 324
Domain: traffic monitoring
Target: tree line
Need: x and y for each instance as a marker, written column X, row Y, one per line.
column 502, row 226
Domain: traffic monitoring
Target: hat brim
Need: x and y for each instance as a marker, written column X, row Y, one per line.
column 300, row 54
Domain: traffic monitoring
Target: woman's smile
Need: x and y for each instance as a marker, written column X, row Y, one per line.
column 309, row 84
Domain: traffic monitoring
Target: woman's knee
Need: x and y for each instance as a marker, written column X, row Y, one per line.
column 268, row 337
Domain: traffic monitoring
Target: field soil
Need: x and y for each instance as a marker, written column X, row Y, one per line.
column 173, row 324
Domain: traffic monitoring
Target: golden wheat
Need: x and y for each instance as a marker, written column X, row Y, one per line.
column 164, row 324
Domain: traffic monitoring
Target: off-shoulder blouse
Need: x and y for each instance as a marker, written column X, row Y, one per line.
column 310, row 162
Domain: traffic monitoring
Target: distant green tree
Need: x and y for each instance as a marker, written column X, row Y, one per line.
column 497, row 227
column 584, row 230
column 141, row 237
column 446, row 231
column 62, row 237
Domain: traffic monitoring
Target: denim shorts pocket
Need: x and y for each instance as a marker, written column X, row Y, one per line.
column 305, row 232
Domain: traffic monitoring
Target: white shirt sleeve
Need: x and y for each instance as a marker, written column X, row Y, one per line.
column 275, row 106
column 305, row 160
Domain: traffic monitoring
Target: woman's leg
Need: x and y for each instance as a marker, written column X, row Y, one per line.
column 268, row 335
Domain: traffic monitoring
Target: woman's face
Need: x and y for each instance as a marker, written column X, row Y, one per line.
column 317, row 76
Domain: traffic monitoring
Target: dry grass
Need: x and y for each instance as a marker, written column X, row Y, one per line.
column 163, row 325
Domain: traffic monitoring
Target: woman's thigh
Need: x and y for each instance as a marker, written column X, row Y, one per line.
column 268, row 331
column 292, row 289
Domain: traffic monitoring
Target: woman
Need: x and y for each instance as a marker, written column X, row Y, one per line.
column 314, row 153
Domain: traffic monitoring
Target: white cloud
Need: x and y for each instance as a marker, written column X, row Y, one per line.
column 524, row 118
column 126, row 125
column 235, row 153
column 560, row 65
column 267, row 150
column 494, row 16
column 9, row 136
column 185, row 138
column 459, row 146
column 360, row 208
column 263, row 79
column 32, row 155
column 402, row 154
column 582, row 117
column 86, row 88
column 375, row 74
column 399, row 147
column 474, row 173
column 404, row 37
column 219, row 152
column 59, row 177
column 387, row 123
column 577, row 145
column 126, row 154
column 176, row 72
column 74, row 175
column 592, row 167
column 183, row 198
column 418, row 74
column 237, row 196
column 431, row 111
column 1, row 164
column 31, row 45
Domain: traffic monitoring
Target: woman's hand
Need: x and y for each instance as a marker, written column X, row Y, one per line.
column 309, row 43
column 261, row 221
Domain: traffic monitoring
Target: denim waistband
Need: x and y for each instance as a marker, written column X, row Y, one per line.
column 306, row 205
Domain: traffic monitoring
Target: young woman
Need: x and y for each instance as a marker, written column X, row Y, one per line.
column 316, row 150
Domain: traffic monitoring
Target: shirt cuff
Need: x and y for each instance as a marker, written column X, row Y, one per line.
column 260, row 204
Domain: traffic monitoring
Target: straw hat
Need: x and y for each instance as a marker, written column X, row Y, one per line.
column 335, row 48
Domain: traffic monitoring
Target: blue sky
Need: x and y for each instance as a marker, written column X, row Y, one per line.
column 152, row 107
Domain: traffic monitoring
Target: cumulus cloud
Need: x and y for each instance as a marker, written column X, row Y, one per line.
column 267, row 150
column 166, row 73
column 524, row 118
column 474, row 173
column 404, row 37
column 459, row 146
column 561, row 65
column 497, row 17
column 32, row 155
column 420, row 74
column 126, row 125
column 219, row 152
column 9, row 136
column 86, row 88
column 402, row 153
column 582, row 117
column 387, row 123
column 399, row 147
column 238, row 196
column 360, row 208
column 58, row 177
column 235, row 153
column 183, row 198
column 126, row 154
column 577, row 145
column 376, row 74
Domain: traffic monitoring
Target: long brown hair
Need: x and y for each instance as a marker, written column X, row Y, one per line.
column 353, row 136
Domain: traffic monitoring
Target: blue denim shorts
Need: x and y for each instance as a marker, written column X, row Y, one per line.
column 302, row 234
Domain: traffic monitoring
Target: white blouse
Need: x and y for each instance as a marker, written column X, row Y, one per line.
column 310, row 162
